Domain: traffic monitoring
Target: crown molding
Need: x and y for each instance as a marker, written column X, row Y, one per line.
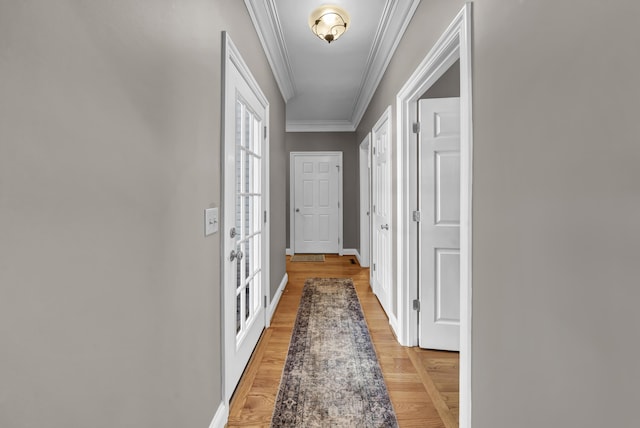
column 319, row 126
column 264, row 16
column 393, row 23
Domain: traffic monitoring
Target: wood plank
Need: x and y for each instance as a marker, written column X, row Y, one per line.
column 450, row 420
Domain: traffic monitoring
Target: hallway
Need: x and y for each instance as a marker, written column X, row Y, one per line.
column 422, row 384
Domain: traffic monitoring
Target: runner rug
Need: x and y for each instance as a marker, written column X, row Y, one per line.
column 331, row 377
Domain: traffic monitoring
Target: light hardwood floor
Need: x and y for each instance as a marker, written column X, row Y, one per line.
column 422, row 384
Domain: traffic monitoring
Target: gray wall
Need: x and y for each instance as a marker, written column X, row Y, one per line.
column 448, row 85
column 556, row 203
column 346, row 143
column 109, row 152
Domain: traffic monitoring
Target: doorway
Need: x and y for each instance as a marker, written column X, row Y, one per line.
column 439, row 226
column 365, row 208
column 245, row 237
column 316, row 202
column 381, row 216
column 454, row 44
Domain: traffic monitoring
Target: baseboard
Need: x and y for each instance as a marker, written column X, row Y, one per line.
column 352, row 252
column 276, row 298
column 221, row 417
column 288, row 252
column 393, row 322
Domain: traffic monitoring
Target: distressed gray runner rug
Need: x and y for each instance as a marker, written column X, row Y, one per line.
column 331, row 377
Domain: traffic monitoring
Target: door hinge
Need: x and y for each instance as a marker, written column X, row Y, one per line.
column 338, row 204
column 374, row 208
column 416, row 305
column 265, row 302
column 265, row 216
column 374, row 150
column 416, row 127
column 265, row 132
column 374, row 267
column 417, row 216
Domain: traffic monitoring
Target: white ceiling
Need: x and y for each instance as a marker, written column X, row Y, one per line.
column 328, row 87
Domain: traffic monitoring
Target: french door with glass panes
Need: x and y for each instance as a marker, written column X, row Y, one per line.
column 245, row 236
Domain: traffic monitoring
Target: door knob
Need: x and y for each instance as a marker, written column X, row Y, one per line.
column 236, row 255
column 297, row 210
column 384, row 226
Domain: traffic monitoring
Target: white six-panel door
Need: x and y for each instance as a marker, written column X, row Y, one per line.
column 380, row 267
column 439, row 237
column 244, row 232
column 316, row 202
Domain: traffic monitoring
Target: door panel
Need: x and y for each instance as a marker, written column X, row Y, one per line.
column 365, row 208
column 447, row 285
column 447, row 188
column 381, row 214
column 316, row 201
column 439, row 228
column 323, row 193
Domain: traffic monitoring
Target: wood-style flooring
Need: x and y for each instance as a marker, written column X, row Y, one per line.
column 422, row 384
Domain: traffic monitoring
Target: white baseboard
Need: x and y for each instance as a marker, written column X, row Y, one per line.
column 221, row 417
column 393, row 322
column 288, row 252
column 276, row 298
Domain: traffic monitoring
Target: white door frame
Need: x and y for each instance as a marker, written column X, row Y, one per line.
column 365, row 201
column 231, row 57
column 455, row 43
column 292, row 232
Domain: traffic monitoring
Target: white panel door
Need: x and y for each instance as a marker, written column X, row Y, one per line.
column 316, row 202
column 244, row 232
column 381, row 213
column 365, row 194
column 439, row 236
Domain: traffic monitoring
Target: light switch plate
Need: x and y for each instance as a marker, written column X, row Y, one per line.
column 210, row 221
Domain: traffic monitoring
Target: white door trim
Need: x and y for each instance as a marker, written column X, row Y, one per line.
column 365, row 201
column 292, row 233
column 232, row 57
column 455, row 43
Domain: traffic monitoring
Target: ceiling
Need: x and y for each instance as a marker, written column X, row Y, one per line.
column 327, row 87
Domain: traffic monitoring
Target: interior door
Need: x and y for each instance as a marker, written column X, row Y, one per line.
column 316, row 202
column 381, row 213
column 244, row 231
column 365, row 206
column 439, row 236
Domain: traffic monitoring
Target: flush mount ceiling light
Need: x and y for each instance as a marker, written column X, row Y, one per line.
column 329, row 22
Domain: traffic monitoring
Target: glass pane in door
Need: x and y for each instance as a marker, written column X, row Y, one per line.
column 249, row 208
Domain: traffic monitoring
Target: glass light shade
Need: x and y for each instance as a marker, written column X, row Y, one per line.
column 329, row 22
